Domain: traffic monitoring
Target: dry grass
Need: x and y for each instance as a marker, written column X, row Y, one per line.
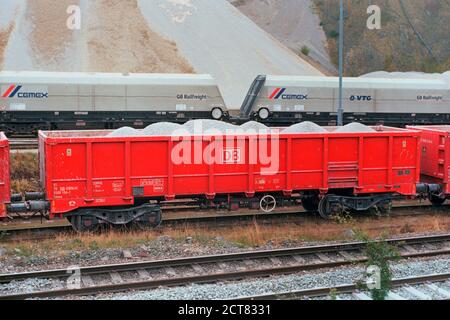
column 246, row 235
column 24, row 172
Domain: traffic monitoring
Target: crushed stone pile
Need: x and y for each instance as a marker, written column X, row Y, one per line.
column 254, row 126
column 354, row 127
column 161, row 129
column 305, row 126
column 208, row 126
column 125, row 132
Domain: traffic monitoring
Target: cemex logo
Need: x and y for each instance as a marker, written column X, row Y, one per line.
column 279, row 93
column 15, row 91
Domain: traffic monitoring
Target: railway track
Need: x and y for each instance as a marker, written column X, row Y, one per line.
column 23, row 144
column 38, row 228
column 418, row 287
column 208, row 269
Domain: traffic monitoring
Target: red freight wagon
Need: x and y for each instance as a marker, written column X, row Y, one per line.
column 92, row 178
column 4, row 175
column 435, row 167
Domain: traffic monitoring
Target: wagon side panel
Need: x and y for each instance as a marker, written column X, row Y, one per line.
column 4, row 175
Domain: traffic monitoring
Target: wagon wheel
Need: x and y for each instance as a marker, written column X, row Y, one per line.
column 150, row 221
column 310, row 203
column 82, row 223
column 328, row 209
column 382, row 208
column 436, row 200
column 267, row 203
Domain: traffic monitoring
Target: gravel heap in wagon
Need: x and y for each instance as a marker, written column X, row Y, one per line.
column 125, row 132
column 161, row 129
column 207, row 126
column 254, row 126
column 305, row 126
column 354, row 127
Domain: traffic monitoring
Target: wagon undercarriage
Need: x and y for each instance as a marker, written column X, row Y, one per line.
column 91, row 219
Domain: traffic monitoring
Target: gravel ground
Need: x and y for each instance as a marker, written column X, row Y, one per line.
column 28, row 285
column 280, row 284
column 163, row 247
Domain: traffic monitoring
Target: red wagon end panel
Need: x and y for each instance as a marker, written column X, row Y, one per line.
column 435, row 154
column 367, row 163
column 4, row 175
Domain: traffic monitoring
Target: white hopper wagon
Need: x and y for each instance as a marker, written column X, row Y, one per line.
column 392, row 101
column 30, row 101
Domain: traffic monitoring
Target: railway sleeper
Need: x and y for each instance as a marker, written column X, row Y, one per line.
column 91, row 219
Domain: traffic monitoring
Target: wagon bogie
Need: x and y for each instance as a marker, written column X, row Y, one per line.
column 91, row 219
column 335, row 205
column 437, row 200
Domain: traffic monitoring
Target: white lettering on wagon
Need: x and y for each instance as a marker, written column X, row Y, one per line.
column 157, row 184
column 98, row 186
column 118, row 185
column 64, row 190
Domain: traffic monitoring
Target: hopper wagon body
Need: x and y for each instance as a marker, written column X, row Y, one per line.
column 32, row 101
column 388, row 101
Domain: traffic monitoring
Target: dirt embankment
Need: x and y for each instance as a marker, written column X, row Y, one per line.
column 4, row 37
column 119, row 40
column 49, row 37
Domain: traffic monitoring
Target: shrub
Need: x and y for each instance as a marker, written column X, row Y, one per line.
column 305, row 50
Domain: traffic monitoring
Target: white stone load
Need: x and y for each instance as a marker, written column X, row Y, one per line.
column 207, row 126
column 303, row 127
column 253, row 126
column 354, row 127
column 219, row 127
column 125, row 132
column 161, row 129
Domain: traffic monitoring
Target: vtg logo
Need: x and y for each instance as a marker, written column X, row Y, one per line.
column 278, row 93
column 15, row 91
column 360, row 98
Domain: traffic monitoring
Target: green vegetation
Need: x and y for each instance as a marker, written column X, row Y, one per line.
column 379, row 255
column 305, row 50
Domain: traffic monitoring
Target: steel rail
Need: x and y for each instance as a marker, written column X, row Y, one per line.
column 330, row 248
column 149, row 284
column 346, row 288
column 182, row 281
